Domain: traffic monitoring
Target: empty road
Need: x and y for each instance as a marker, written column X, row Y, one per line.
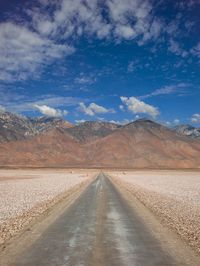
column 99, row 228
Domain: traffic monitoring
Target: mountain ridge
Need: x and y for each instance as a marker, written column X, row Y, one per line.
column 139, row 144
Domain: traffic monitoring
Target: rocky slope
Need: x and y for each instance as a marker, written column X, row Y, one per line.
column 188, row 130
column 91, row 130
column 15, row 127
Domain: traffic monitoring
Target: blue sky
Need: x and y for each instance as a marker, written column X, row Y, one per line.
column 112, row 60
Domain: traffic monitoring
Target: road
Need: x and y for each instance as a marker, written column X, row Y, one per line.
column 99, row 228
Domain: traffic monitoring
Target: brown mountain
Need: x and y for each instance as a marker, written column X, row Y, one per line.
column 141, row 144
column 145, row 144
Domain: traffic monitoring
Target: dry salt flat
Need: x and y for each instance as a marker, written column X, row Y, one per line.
column 174, row 196
column 26, row 194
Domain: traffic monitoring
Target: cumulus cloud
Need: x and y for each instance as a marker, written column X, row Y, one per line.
column 93, row 109
column 137, row 106
column 195, row 118
column 49, row 111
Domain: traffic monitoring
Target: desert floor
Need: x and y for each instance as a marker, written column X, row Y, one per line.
column 72, row 217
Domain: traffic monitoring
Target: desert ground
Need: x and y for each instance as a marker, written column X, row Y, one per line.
column 26, row 194
column 92, row 217
column 173, row 196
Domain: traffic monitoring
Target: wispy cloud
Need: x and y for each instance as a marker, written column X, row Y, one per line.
column 24, row 52
column 175, row 48
column 50, row 30
column 167, row 90
column 85, row 79
column 23, row 103
column 26, row 47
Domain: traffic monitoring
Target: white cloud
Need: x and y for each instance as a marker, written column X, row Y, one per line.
column 166, row 90
column 80, row 121
column 27, row 47
column 49, row 111
column 132, row 66
column 174, row 47
column 93, row 109
column 121, row 107
column 23, row 52
column 136, row 106
column 196, row 50
column 195, row 118
column 176, row 121
column 84, row 80
column 122, row 122
column 36, row 43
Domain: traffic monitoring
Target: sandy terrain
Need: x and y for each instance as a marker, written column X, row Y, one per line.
column 25, row 194
column 174, row 196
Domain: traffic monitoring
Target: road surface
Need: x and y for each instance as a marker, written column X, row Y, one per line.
column 99, row 228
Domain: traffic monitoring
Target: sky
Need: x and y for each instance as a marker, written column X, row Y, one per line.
column 107, row 60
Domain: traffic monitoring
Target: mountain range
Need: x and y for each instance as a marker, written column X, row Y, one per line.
column 54, row 142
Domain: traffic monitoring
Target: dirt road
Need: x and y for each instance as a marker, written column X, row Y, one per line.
column 100, row 228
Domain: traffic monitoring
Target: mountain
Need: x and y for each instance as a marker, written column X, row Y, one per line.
column 145, row 144
column 140, row 144
column 92, row 130
column 188, row 130
column 52, row 148
column 15, row 127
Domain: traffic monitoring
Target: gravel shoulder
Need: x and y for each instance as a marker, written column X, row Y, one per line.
column 173, row 196
column 27, row 194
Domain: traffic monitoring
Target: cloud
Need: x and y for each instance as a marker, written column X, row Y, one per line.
column 24, row 53
column 132, row 66
column 49, row 111
column 83, row 80
column 2, row 109
column 196, row 50
column 94, row 109
column 121, row 107
column 48, row 30
column 30, row 42
column 176, row 121
column 166, row 90
column 174, row 47
column 122, row 122
column 195, row 118
column 80, row 121
column 137, row 106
